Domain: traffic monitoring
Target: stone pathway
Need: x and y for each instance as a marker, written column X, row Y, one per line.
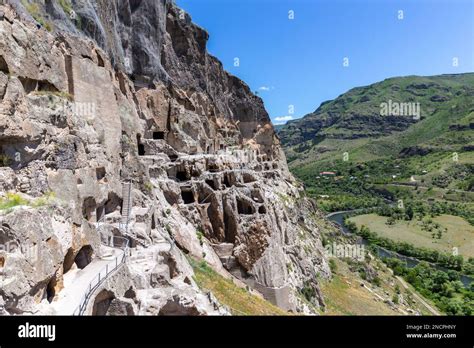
column 76, row 284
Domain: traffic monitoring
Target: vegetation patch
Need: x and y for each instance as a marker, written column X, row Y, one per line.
column 444, row 288
column 442, row 233
column 34, row 10
column 238, row 300
column 344, row 295
column 450, row 261
column 5, row 160
column 66, row 6
column 12, row 200
column 59, row 94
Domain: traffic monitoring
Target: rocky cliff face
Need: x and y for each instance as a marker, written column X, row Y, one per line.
column 117, row 126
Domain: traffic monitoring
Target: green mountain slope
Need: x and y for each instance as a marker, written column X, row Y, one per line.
column 354, row 137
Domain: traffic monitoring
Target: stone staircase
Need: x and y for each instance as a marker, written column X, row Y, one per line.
column 126, row 205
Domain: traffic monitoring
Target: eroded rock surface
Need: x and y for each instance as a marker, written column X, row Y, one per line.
column 86, row 109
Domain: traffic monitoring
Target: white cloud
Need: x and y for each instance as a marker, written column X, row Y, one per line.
column 266, row 88
column 282, row 119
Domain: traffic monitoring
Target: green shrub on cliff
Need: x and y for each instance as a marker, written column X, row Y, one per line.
column 34, row 10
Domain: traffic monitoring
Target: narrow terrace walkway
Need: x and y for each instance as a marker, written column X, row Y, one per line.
column 76, row 282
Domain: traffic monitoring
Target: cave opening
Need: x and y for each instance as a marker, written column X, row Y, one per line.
column 102, row 302
column 245, row 207
column 4, row 66
column 182, row 175
column 29, row 85
column 46, row 86
column 262, row 210
column 100, row 173
column 230, row 227
column 51, row 289
column 140, row 146
column 257, row 196
column 188, row 196
column 215, row 217
column 204, row 196
column 89, row 208
column 68, row 260
column 100, row 60
column 113, row 203
column 84, row 257
column 134, row 5
column 211, row 183
column 226, row 180
column 141, row 150
column 158, row 135
column 248, row 178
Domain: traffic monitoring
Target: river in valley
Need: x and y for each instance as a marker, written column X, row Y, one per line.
column 410, row 262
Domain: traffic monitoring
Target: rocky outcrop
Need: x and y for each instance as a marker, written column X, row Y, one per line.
column 96, row 107
column 415, row 151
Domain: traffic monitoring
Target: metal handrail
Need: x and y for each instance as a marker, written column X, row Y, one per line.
column 100, row 221
column 102, row 276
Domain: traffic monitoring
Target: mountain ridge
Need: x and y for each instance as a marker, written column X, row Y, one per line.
column 332, row 120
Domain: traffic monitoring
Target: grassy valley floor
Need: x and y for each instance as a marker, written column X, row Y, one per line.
column 348, row 294
column 459, row 233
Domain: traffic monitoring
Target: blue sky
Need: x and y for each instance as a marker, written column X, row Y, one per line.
column 299, row 62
